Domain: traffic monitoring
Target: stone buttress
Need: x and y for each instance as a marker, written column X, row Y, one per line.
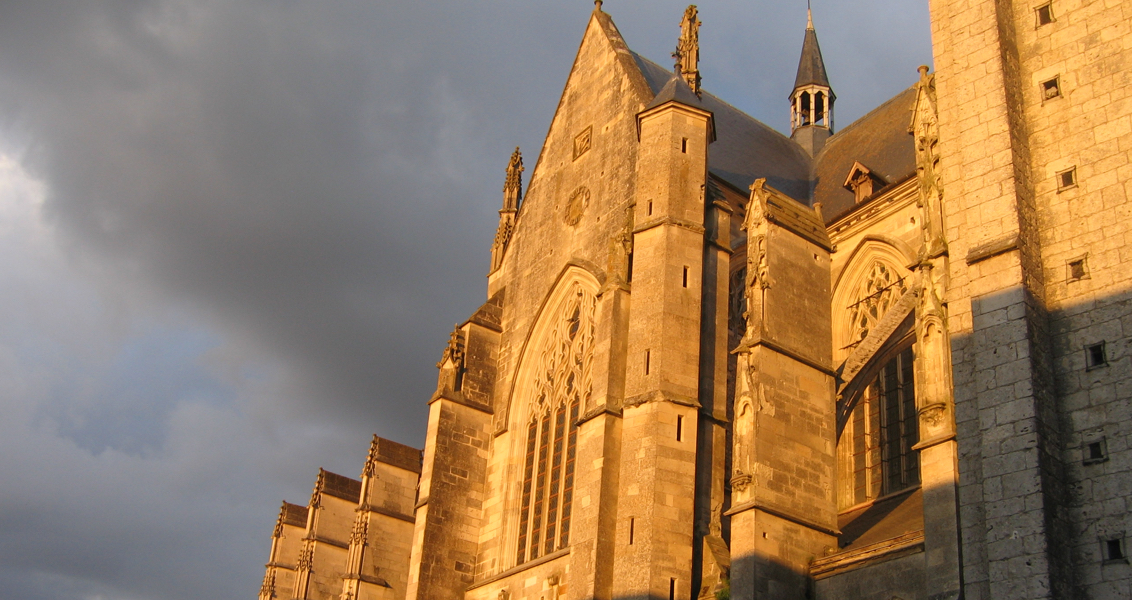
column 783, row 512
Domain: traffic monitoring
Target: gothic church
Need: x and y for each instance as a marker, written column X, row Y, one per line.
column 885, row 361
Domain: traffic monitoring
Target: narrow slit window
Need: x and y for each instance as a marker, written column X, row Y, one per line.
column 679, row 428
column 632, row 528
column 1067, row 179
column 672, row 589
column 650, row 208
column 1045, row 14
column 1095, row 356
column 684, row 145
column 1095, row 452
column 685, row 276
column 648, row 359
column 1051, row 88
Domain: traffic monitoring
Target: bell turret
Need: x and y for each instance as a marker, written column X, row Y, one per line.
column 811, row 102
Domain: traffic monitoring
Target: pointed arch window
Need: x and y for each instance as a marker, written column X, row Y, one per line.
column 563, row 385
column 876, row 448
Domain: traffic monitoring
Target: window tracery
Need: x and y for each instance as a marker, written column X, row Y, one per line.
column 563, row 385
column 879, row 291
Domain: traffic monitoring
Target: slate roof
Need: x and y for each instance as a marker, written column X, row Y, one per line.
column 340, row 486
column 293, row 514
column 397, row 455
column 879, row 141
column 884, row 520
column 746, row 149
column 676, row 90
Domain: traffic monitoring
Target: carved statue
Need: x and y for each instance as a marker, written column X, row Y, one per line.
column 687, row 54
column 758, row 272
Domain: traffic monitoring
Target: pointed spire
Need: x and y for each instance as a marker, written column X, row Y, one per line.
column 811, row 67
column 687, row 52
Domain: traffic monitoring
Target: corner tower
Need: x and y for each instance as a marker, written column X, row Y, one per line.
column 811, row 102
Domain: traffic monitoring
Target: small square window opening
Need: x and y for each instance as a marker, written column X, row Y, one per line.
column 1077, row 269
column 1113, row 550
column 1051, row 89
column 1095, row 356
column 1067, row 179
column 1045, row 14
column 1095, row 452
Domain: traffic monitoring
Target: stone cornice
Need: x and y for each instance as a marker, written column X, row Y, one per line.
column 654, row 223
column 389, row 513
column 993, row 248
column 783, row 350
column 520, row 568
column 804, row 522
column 661, row 396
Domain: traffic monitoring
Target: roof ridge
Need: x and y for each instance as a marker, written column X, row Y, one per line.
column 738, row 110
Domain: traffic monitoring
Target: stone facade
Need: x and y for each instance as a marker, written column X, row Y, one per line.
column 890, row 361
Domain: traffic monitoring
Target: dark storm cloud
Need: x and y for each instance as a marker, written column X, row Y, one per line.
column 278, row 208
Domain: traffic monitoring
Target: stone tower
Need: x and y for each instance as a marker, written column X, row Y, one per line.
column 888, row 361
column 1035, row 205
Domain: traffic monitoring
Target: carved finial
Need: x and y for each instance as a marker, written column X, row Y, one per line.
column 512, row 194
column 687, row 52
column 809, row 16
column 597, row 5
column 455, row 349
column 368, row 471
column 316, row 494
column 923, row 69
column 513, row 185
column 279, row 521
